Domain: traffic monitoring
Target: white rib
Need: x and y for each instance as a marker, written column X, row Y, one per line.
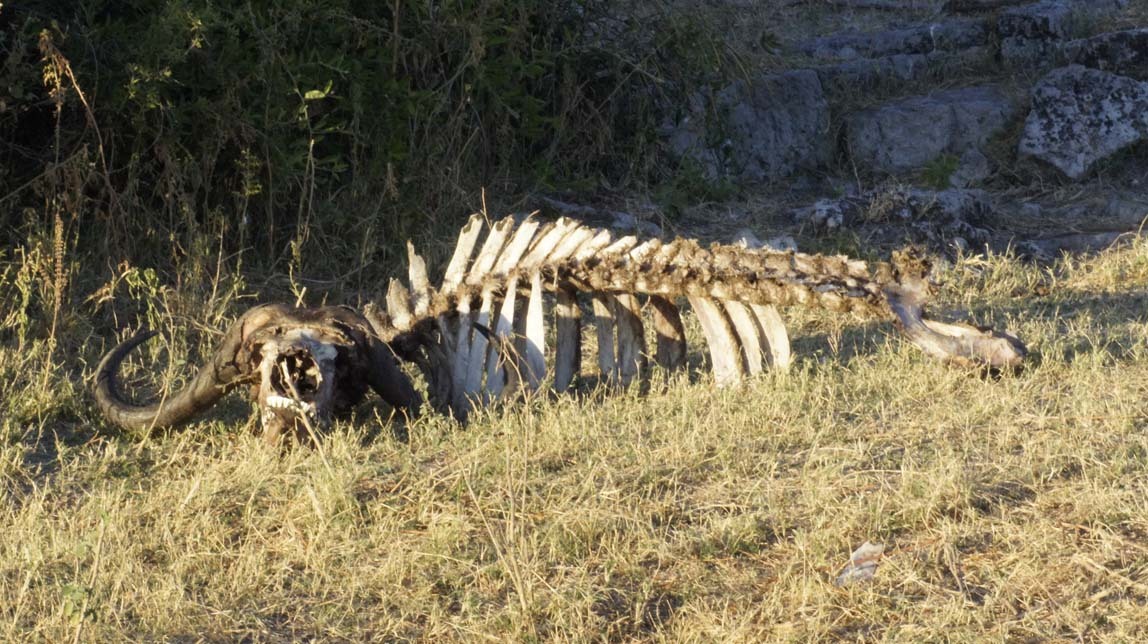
column 496, row 362
column 490, row 250
column 631, row 337
column 671, row 337
column 567, row 339
column 745, row 326
column 570, row 244
column 621, row 246
column 399, row 305
column 467, row 237
column 773, row 330
column 604, row 323
column 420, row 285
column 645, row 250
column 725, row 354
column 476, row 360
column 601, row 239
column 459, row 367
column 508, row 260
column 548, row 242
column 535, row 335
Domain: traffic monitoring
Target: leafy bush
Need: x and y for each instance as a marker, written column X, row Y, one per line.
column 179, row 125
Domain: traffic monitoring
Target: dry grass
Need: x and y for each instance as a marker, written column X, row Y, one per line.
column 1010, row 509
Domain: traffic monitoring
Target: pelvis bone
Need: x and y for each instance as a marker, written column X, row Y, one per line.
column 303, row 367
column 481, row 334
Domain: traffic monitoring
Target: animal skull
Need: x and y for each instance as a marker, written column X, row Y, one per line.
column 304, row 366
column 297, row 381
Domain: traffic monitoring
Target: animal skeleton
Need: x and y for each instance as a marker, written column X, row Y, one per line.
column 481, row 335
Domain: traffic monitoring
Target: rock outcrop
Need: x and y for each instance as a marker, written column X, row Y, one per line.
column 775, row 125
column 949, row 35
column 1035, row 34
column 908, row 134
column 939, row 219
column 1080, row 116
column 759, row 130
column 1119, row 52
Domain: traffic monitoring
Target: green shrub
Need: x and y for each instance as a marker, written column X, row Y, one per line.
column 263, row 126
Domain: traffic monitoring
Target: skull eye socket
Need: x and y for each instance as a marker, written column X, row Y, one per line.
column 298, row 372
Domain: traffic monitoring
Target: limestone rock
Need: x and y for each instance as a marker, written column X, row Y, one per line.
column 1080, row 116
column 938, row 219
column 949, row 35
column 827, row 214
column 1034, row 34
column 975, row 6
column 1119, row 52
column 763, row 129
column 747, row 239
column 973, row 168
column 1043, row 20
column 864, row 73
column 907, row 134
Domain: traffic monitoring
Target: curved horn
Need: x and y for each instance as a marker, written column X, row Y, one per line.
column 388, row 380
column 383, row 373
column 219, row 376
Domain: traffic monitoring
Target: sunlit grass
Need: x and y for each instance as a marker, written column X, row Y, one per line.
column 1010, row 508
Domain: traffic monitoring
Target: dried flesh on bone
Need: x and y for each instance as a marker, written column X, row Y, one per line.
column 492, row 344
column 303, row 366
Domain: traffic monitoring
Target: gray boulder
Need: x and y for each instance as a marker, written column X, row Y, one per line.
column 972, row 169
column 1119, row 52
column 1080, row 116
column 941, row 218
column 977, row 6
column 761, row 130
column 949, row 35
column 865, row 73
column 1035, row 34
column 1052, row 18
column 907, row 134
column 1043, row 20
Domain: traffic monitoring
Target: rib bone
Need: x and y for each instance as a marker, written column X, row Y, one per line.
column 734, row 292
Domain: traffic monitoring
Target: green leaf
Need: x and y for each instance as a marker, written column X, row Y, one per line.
column 316, row 94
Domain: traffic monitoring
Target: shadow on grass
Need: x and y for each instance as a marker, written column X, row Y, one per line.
column 1082, row 324
column 1112, row 315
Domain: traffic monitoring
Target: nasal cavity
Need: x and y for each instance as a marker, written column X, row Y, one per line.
column 297, row 370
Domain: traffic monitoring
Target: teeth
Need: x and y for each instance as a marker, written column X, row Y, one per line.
column 275, row 401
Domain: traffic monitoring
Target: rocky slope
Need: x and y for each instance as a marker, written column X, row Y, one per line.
column 1005, row 123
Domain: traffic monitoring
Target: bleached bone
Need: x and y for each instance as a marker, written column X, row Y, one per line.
column 773, row 330
column 535, row 334
column 467, row 238
column 503, row 330
column 631, row 337
column 604, row 324
column 671, row 334
column 734, row 292
column 567, row 339
column 304, row 366
column 398, row 305
column 745, row 328
column 420, row 284
column 725, row 352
